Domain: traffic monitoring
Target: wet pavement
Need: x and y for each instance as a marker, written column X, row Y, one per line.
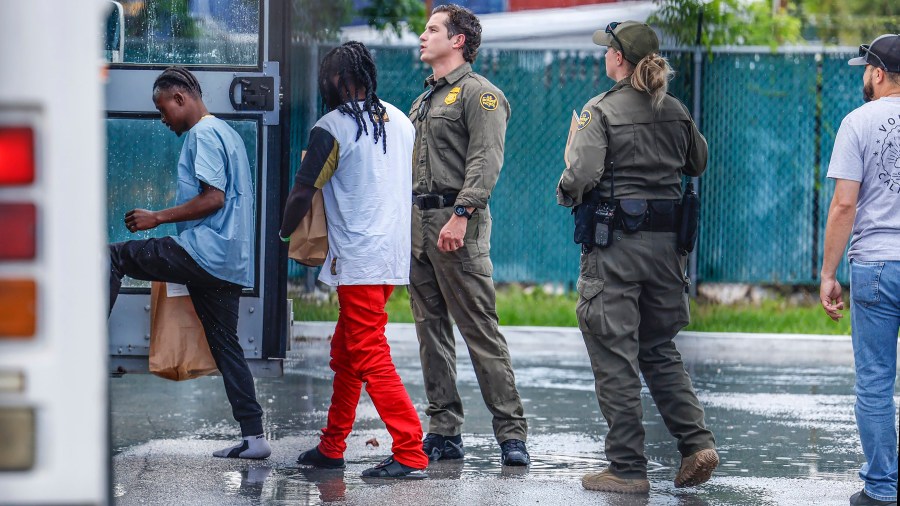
column 781, row 408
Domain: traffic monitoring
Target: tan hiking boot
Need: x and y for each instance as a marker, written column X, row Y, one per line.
column 697, row 468
column 606, row 481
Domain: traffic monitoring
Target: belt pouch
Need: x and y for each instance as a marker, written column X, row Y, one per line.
column 690, row 220
column 663, row 217
column 584, row 223
column 634, row 212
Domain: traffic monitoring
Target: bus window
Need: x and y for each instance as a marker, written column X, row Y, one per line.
column 214, row 32
column 141, row 158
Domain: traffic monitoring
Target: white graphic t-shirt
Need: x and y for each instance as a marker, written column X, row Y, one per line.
column 867, row 149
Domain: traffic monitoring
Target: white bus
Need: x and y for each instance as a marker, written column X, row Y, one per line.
column 81, row 141
column 53, row 260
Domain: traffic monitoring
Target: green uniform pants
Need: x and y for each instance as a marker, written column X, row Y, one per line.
column 459, row 284
column 632, row 304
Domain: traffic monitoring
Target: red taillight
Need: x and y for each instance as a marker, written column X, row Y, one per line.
column 19, row 225
column 16, row 155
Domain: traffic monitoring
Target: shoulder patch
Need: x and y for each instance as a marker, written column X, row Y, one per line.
column 584, row 119
column 489, row 101
column 451, row 97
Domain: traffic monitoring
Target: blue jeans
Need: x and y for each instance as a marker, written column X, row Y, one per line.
column 875, row 320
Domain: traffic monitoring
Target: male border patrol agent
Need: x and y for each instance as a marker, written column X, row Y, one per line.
column 624, row 165
column 460, row 130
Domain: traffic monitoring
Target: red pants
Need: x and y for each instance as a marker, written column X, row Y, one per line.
column 360, row 354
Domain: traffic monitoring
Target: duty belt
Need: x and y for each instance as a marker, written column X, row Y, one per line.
column 654, row 220
column 433, row 200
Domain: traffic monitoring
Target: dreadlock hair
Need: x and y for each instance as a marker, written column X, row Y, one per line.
column 179, row 78
column 353, row 64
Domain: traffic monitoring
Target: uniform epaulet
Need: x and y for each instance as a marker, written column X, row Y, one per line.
column 601, row 96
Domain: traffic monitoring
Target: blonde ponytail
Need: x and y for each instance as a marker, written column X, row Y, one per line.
column 652, row 75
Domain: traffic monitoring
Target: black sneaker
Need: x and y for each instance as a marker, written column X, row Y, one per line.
column 391, row 469
column 513, row 453
column 316, row 459
column 862, row 499
column 438, row 447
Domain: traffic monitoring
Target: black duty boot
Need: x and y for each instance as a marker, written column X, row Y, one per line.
column 513, row 453
column 862, row 499
column 316, row 459
column 391, row 469
column 439, row 447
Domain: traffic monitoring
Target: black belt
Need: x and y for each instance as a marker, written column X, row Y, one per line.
column 655, row 221
column 433, row 200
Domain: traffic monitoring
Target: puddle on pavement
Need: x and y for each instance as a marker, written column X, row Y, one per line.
column 771, row 423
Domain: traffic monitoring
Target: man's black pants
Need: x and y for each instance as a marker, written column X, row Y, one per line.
column 216, row 302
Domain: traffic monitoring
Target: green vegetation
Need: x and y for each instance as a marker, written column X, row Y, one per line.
column 772, row 316
column 533, row 307
column 776, row 22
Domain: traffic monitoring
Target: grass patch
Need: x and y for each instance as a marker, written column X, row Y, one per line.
column 533, row 307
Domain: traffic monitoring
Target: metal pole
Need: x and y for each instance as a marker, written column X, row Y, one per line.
column 698, row 100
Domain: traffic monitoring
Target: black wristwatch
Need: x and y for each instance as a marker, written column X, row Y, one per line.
column 461, row 211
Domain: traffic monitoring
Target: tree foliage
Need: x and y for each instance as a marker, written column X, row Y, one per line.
column 321, row 20
column 752, row 22
column 394, row 15
column 850, row 22
column 727, row 22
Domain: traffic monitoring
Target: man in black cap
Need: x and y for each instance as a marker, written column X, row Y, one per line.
column 865, row 165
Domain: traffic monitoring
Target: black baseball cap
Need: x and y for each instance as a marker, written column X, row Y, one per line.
column 633, row 39
column 883, row 52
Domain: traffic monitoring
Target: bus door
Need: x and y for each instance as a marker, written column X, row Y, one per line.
column 236, row 48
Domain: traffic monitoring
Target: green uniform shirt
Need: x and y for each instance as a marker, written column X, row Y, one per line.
column 459, row 141
column 648, row 149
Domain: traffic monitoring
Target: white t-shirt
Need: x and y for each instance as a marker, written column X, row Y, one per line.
column 367, row 194
column 867, row 150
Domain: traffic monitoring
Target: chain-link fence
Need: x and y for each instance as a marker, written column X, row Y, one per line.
column 770, row 119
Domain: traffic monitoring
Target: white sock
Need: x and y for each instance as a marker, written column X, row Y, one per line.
column 251, row 447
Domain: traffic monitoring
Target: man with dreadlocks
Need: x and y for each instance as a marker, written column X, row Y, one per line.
column 359, row 155
column 460, row 130
column 213, row 251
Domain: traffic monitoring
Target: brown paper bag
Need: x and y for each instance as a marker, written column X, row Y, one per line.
column 178, row 347
column 309, row 242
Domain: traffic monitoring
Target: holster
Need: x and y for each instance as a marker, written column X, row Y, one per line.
column 690, row 220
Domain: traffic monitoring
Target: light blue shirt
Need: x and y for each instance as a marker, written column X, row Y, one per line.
column 222, row 243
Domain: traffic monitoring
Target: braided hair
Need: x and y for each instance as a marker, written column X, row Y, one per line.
column 179, row 78
column 353, row 64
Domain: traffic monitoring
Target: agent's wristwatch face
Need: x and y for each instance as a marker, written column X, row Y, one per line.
column 461, row 211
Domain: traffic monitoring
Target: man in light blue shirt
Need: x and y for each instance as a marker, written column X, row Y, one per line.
column 213, row 252
column 214, row 156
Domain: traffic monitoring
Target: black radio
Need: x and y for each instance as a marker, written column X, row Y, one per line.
column 604, row 217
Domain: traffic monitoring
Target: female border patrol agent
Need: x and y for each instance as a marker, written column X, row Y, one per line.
column 625, row 161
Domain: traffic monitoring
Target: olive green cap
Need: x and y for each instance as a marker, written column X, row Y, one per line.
column 637, row 40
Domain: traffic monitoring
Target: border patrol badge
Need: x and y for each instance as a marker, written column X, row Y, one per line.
column 489, row 101
column 584, row 120
column 451, row 97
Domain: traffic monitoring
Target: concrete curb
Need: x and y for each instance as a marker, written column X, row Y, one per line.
column 799, row 350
